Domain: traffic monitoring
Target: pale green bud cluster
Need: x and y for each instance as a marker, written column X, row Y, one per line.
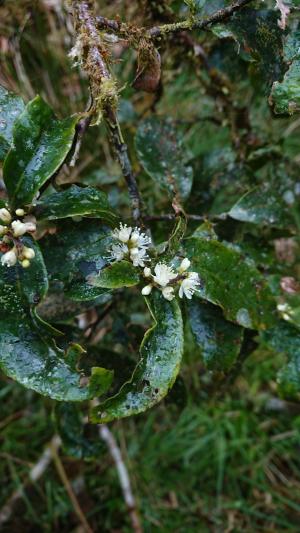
column 11, row 229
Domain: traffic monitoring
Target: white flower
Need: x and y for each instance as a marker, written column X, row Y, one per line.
column 25, row 263
column 28, row 253
column 123, row 233
column 139, row 239
column 147, row 290
column 138, row 256
column 185, row 264
column 10, row 258
column 118, row 252
column 168, row 293
column 5, row 215
column 163, row 274
column 189, row 285
column 20, row 228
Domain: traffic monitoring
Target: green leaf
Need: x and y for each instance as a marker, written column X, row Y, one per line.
column 27, row 352
column 263, row 205
column 174, row 242
column 285, row 339
column 79, row 440
column 231, row 281
column 219, row 340
column 77, row 250
column 257, row 31
column 285, row 94
column 75, row 201
column 161, row 353
column 161, row 153
column 11, row 106
column 81, row 291
column 41, row 144
column 118, row 275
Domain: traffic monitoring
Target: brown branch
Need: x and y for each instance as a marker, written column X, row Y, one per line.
column 170, row 217
column 156, row 32
column 196, row 23
column 103, row 91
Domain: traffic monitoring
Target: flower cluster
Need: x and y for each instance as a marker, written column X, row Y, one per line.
column 166, row 279
column 11, row 229
column 131, row 244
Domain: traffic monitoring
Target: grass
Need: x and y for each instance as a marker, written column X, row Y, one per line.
column 231, row 464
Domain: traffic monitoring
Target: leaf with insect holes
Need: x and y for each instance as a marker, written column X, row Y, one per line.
column 160, row 358
column 28, row 353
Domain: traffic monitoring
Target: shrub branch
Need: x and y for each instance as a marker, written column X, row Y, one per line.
column 94, row 58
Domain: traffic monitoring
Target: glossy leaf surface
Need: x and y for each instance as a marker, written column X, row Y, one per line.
column 231, row 281
column 41, row 143
column 161, row 153
column 219, row 340
column 160, row 358
column 75, row 201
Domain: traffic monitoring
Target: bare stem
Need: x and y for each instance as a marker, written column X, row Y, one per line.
column 124, row 30
column 103, row 91
column 196, row 23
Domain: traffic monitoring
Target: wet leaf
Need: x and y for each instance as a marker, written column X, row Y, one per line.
column 219, row 340
column 77, row 250
column 285, row 94
column 118, row 275
column 161, row 353
column 78, row 439
column 41, row 143
column 160, row 151
column 75, row 201
column 258, row 33
column 263, row 205
column 231, row 281
column 285, row 339
column 11, row 106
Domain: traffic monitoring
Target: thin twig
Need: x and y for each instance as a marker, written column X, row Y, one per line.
column 171, row 216
column 196, row 23
column 64, row 478
column 125, row 30
column 104, row 92
column 124, row 479
column 34, row 475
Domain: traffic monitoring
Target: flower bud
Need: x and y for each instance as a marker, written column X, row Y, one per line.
column 28, row 253
column 19, row 228
column 20, row 212
column 5, row 215
column 147, row 272
column 147, row 290
column 25, row 263
column 10, row 258
column 3, row 230
column 185, row 264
